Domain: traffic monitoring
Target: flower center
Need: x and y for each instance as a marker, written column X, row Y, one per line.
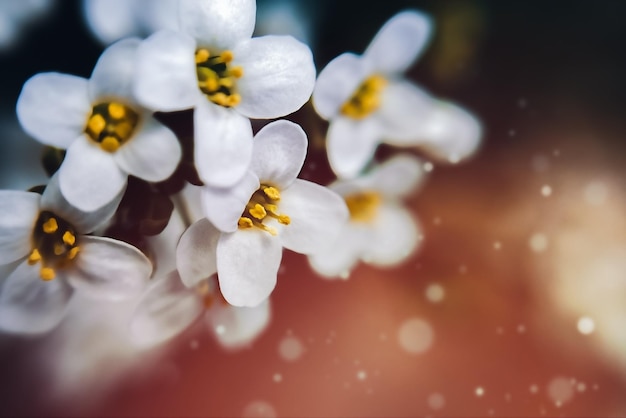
column 365, row 99
column 363, row 207
column 263, row 205
column 111, row 124
column 217, row 77
column 54, row 244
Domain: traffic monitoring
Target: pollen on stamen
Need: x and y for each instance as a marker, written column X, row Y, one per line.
column 227, row 56
column 110, row 144
column 272, row 193
column 258, row 211
column 284, row 219
column 50, row 226
column 59, row 249
column 245, row 222
column 47, row 274
column 69, row 238
column 96, row 123
column 34, row 257
column 236, row 72
column 202, row 55
column 73, row 252
column 116, row 110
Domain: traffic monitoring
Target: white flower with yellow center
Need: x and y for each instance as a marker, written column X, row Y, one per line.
column 214, row 66
column 267, row 210
column 42, row 239
column 106, row 133
column 380, row 231
column 367, row 101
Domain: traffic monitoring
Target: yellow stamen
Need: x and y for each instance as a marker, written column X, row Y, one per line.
column 245, row 222
column 234, row 100
column 269, row 229
column 117, row 110
column 110, row 144
column 284, row 219
column 258, row 211
column 202, row 55
column 236, row 72
column 363, row 206
column 50, row 226
column 272, row 193
column 69, row 238
column 47, row 273
column 34, row 257
column 366, row 98
column 73, row 252
column 59, row 249
column 96, row 124
column 226, row 56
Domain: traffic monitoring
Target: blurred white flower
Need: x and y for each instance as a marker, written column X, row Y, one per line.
column 106, row 134
column 367, row 101
column 43, row 238
column 286, row 17
column 381, row 231
column 214, row 66
column 112, row 20
column 16, row 16
column 267, row 210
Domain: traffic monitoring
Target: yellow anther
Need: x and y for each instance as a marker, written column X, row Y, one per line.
column 69, row 238
column 220, row 99
column 73, row 252
column 245, row 222
column 363, row 206
column 96, row 123
column 272, row 192
column 234, row 99
column 59, row 249
column 212, row 84
column 258, row 211
column 227, row 82
column 116, row 110
column 365, row 99
column 284, row 219
column 110, row 144
column 47, row 273
column 226, row 56
column 50, row 226
column 272, row 231
column 34, row 257
column 271, row 208
column 236, row 72
column 202, row 55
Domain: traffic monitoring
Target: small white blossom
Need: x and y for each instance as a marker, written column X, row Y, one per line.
column 16, row 16
column 42, row 239
column 380, row 231
column 213, row 65
column 106, row 133
column 368, row 101
column 267, row 210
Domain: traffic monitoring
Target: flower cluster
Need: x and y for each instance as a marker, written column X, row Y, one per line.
column 165, row 192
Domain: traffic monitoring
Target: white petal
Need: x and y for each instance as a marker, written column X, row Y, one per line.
column 84, row 222
column 30, row 305
column 351, row 144
column 247, row 266
column 399, row 42
column 317, row 215
column 110, row 20
column 109, row 269
column 397, row 177
column 340, row 256
column 18, row 213
column 224, row 206
column 112, row 77
column 89, row 176
column 404, row 111
column 218, row 23
column 278, row 76
column 337, row 82
column 395, row 236
column 166, row 72
column 236, row 327
column 53, row 108
column 450, row 132
column 156, row 15
column 166, row 308
column 279, row 151
column 223, row 144
column 195, row 253
column 152, row 154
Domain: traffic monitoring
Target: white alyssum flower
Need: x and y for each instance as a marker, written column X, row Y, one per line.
column 213, row 65
column 367, row 101
column 43, row 240
column 381, row 231
column 106, row 133
column 112, row 20
column 168, row 307
column 16, row 16
column 267, row 210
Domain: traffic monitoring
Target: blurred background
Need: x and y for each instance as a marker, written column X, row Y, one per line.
column 515, row 304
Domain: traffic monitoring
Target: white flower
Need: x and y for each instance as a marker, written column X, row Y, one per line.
column 267, row 210
column 168, row 307
column 16, row 16
column 43, row 238
column 106, row 134
column 214, row 66
column 367, row 101
column 381, row 231
column 112, row 20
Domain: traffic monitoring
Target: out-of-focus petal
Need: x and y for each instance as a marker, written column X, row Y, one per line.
column 224, row 206
column 110, row 20
column 196, row 252
column 397, row 177
column 399, row 42
column 218, row 23
column 351, row 145
column 112, row 77
column 340, row 256
column 404, row 110
column 18, row 213
column 89, row 176
column 236, row 327
column 54, row 108
column 247, row 266
column 278, row 76
column 30, row 305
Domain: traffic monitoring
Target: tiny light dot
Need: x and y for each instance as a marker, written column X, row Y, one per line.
column 546, row 190
column 479, row 391
column 521, row 328
column 581, row 387
column 596, row 193
column 522, row 103
column 259, row 409
column 361, row 375
column 560, row 390
column 345, row 275
column 512, row 132
column 497, row 245
column 194, row 344
column 435, row 292
column 437, row 221
column 277, row 377
column 540, row 163
column 220, row 329
column 462, row 269
column 586, row 325
column 538, row 242
column 290, row 348
column 436, row 401
column 534, row 389
column 428, row 167
column 415, row 336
